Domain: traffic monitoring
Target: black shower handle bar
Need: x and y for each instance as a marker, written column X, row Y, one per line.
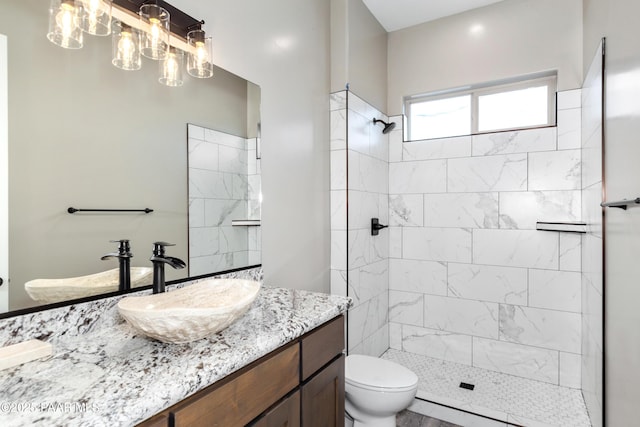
column 74, row 210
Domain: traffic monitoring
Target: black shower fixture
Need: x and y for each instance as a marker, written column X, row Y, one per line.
column 388, row 127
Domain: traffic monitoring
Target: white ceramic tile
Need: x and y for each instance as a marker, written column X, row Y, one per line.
column 516, row 248
column 473, row 210
column 491, row 173
column 427, row 176
column 203, row 155
column 591, row 210
column 437, row 344
column 380, row 247
column 362, row 206
column 430, row 149
column 195, row 132
column 358, row 128
column 569, row 99
column 254, row 257
column 366, row 318
column 377, row 343
column 556, row 290
column 203, row 241
column 359, row 246
column 338, row 130
column 551, row 329
column 496, row 395
column 570, row 370
column 339, row 282
column 338, row 100
column 462, row 316
column 395, row 146
column 395, row 242
column 569, row 129
column 239, row 184
column 367, row 173
column 428, row 277
column 406, row 210
column 437, row 244
column 570, row 252
column 252, row 162
column 368, row 281
column 522, row 141
column 222, row 211
column 209, row 184
column 222, row 138
column 406, row 308
column 339, row 170
column 254, row 235
column 362, row 107
column 515, row 359
column 383, row 208
column 378, row 143
column 521, row 210
column 338, row 249
column 488, row 283
column 592, row 162
column 232, row 160
column 233, row 239
column 555, row 170
column 196, row 213
column 338, row 210
column 395, row 336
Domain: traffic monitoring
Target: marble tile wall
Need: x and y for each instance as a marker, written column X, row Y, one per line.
column 222, row 187
column 359, row 261
column 592, row 241
column 470, row 279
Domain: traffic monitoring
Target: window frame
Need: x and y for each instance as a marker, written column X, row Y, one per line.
column 547, row 79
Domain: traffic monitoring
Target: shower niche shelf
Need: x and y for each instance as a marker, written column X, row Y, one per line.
column 567, row 227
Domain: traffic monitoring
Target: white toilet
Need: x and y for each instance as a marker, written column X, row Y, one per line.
column 376, row 390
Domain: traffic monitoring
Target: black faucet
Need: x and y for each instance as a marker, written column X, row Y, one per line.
column 124, row 256
column 158, row 259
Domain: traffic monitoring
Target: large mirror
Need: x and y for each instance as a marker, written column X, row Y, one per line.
column 87, row 135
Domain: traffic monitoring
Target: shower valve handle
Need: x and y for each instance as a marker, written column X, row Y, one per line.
column 376, row 226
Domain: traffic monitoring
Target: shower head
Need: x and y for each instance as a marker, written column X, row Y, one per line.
column 388, row 127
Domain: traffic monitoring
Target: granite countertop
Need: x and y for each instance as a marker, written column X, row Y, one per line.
column 104, row 374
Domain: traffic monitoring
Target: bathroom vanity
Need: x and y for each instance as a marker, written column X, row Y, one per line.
column 281, row 361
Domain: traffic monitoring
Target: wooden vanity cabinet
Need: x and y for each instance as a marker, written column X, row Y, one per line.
column 299, row 384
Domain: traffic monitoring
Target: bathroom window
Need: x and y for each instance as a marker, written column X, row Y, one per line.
column 490, row 107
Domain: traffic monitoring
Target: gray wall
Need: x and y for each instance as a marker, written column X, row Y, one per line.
column 617, row 20
column 85, row 134
column 283, row 46
column 502, row 40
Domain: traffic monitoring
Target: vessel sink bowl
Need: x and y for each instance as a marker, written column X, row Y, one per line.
column 48, row 291
column 192, row 312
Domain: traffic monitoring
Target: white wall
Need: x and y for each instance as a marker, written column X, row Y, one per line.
column 617, row 20
column 283, row 46
column 502, row 40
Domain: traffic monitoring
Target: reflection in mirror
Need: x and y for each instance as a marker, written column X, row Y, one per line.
column 86, row 134
column 224, row 201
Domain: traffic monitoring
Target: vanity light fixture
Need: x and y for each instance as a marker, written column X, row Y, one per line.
column 64, row 20
column 126, row 47
column 156, row 23
column 96, row 17
column 171, row 68
column 199, row 59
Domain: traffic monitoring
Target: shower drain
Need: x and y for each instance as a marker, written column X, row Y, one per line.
column 467, row 386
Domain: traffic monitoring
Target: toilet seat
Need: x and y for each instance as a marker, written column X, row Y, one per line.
column 372, row 373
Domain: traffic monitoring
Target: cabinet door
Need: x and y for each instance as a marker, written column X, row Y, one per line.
column 323, row 397
column 285, row 414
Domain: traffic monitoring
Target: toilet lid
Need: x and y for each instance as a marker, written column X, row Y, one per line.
column 370, row 372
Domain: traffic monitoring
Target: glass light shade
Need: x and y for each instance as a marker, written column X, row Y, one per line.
column 171, row 68
column 126, row 47
column 96, row 17
column 155, row 42
column 64, row 19
column 200, row 58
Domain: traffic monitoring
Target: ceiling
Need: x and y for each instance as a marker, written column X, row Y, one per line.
column 397, row 14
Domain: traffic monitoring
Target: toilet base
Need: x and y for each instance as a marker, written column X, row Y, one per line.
column 372, row 422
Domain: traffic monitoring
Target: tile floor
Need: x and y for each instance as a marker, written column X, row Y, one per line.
column 499, row 396
column 412, row 419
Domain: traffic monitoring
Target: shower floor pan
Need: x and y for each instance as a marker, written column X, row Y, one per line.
column 502, row 397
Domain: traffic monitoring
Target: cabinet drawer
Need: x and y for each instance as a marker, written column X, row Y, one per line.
column 285, row 414
column 322, row 345
column 242, row 399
